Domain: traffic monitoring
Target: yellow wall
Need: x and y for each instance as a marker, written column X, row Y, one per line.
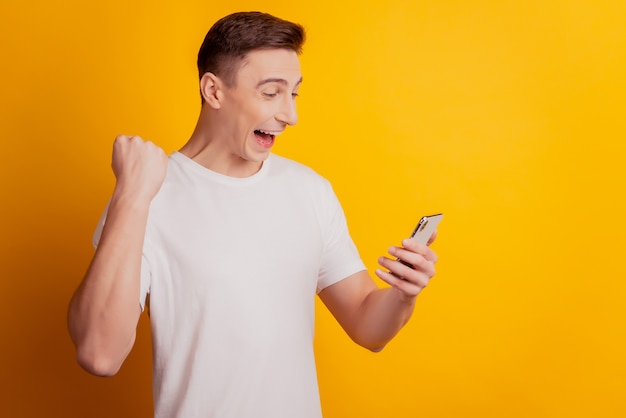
column 507, row 116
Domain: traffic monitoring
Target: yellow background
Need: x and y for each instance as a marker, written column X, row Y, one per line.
column 508, row 116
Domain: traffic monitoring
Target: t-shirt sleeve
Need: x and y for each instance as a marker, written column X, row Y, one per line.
column 145, row 265
column 340, row 257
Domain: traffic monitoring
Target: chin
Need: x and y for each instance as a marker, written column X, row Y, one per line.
column 257, row 156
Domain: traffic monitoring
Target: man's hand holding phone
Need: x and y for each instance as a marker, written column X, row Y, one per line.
column 414, row 263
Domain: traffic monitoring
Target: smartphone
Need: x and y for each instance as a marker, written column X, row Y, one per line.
column 426, row 227
column 424, row 230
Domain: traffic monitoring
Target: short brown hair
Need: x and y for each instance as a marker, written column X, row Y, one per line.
column 233, row 36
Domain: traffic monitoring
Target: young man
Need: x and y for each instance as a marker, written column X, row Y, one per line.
column 232, row 243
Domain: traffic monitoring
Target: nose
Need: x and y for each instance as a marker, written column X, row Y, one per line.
column 287, row 113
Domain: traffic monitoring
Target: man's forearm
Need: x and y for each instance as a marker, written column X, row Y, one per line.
column 383, row 313
column 104, row 311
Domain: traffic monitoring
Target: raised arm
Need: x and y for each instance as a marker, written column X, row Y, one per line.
column 372, row 316
column 105, row 309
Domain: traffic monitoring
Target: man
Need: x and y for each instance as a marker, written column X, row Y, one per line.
column 231, row 243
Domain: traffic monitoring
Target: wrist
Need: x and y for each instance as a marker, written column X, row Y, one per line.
column 128, row 199
column 403, row 297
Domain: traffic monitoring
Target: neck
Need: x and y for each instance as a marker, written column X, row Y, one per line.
column 211, row 150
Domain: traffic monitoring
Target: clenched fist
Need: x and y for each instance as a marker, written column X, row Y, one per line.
column 139, row 166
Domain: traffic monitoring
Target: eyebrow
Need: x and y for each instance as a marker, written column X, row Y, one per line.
column 276, row 80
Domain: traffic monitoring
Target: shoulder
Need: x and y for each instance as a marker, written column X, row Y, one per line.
column 297, row 180
column 295, row 171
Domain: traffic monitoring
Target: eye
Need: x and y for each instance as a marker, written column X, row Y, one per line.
column 294, row 95
column 270, row 94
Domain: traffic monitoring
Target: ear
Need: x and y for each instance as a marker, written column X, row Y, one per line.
column 211, row 89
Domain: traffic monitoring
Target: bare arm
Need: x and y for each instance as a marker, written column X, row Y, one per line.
column 104, row 310
column 373, row 316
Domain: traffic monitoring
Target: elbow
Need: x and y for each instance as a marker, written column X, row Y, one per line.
column 372, row 341
column 377, row 349
column 374, row 348
column 101, row 355
column 99, row 360
column 98, row 364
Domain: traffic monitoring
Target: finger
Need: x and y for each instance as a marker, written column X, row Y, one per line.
column 407, row 287
column 396, row 267
column 432, row 238
column 411, row 247
column 125, row 138
column 419, row 274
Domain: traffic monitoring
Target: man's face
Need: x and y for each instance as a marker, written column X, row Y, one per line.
column 261, row 104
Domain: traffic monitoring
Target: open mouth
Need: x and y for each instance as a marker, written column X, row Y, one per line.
column 264, row 138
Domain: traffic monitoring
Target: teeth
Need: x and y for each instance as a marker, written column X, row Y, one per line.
column 269, row 133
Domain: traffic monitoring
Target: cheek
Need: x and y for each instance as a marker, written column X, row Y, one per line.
column 252, row 113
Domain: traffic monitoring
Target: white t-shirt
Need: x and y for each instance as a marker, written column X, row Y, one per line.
column 232, row 266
